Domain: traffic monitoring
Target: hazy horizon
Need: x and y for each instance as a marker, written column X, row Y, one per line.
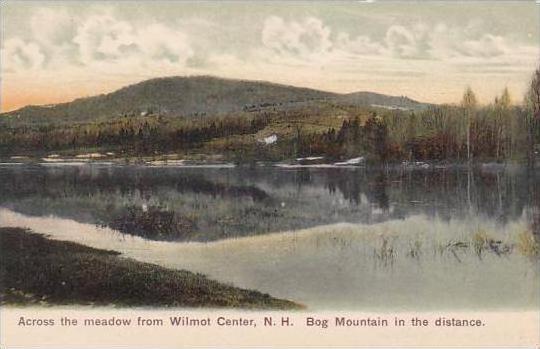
column 55, row 52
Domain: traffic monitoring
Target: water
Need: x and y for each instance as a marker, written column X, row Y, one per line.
column 329, row 238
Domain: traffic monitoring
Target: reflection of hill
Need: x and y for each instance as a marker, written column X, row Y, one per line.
column 209, row 204
column 75, row 181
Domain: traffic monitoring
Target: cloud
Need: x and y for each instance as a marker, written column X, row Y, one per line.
column 310, row 39
column 401, row 41
column 52, row 27
column 20, row 55
column 105, row 39
column 99, row 42
column 102, row 38
column 448, row 42
column 159, row 42
column 303, row 39
column 361, row 45
column 486, row 46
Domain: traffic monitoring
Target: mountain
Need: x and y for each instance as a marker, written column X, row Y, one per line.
column 199, row 95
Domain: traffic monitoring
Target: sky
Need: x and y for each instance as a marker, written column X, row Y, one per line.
column 431, row 51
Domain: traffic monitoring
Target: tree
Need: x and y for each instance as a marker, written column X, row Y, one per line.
column 377, row 137
column 469, row 105
column 502, row 125
column 532, row 103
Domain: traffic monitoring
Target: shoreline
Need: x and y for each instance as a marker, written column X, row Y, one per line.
column 36, row 270
column 288, row 164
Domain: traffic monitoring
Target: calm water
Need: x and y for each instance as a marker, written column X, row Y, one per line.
column 329, row 238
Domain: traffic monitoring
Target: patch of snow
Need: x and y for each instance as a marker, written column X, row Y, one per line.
column 167, row 162
column 269, row 140
column 64, row 163
column 226, row 165
column 60, row 161
column 353, row 161
column 390, row 107
column 186, row 164
column 310, row 158
column 313, row 166
column 90, row 156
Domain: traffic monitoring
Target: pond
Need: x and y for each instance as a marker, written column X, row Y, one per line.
column 330, row 238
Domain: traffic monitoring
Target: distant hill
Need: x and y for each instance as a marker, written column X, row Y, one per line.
column 200, row 95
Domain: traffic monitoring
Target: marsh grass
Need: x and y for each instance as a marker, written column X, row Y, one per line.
column 479, row 241
column 415, row 249
column 385, row 253
column 527, row 244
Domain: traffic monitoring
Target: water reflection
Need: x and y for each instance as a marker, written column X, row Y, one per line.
column 211, row 204
column 329, row 238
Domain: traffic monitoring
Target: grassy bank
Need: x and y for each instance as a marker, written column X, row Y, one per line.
column 36, row 270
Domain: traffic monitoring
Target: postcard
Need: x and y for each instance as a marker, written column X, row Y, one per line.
column 269, row 173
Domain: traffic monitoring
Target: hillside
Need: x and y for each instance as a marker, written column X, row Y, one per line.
column 194, row 96
column 384, row 101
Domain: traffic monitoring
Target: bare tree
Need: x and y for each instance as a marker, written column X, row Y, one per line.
column 532, row 103
column 469, row 105
column 503, row 125
column 532, row 106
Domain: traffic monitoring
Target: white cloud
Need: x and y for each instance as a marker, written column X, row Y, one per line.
column 19, row 55
column 298, row 39
column 102, row 38
column 161, row 43
column 448, row 42
column 361, row 45
column 105, row 39
column 52, row 27
column 401, row 41
column 311, row 40
column 486, row 46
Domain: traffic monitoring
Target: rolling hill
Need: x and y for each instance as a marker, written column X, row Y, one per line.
column 195, row 96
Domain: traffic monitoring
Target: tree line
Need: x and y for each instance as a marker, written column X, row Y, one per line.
column 500, row 131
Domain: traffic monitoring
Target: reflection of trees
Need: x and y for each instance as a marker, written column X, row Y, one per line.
column 349, row 183
column 352, row 184
column 534, row 204
column 302, row 177
column 532, row 103
column 75, row 181
column 502, row 195
column 445, row 193
column 377, row 191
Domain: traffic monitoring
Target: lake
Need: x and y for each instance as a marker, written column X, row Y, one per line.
column 330, row 238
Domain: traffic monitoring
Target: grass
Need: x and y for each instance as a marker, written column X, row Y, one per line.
column 36, row 270
column 528, row 245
